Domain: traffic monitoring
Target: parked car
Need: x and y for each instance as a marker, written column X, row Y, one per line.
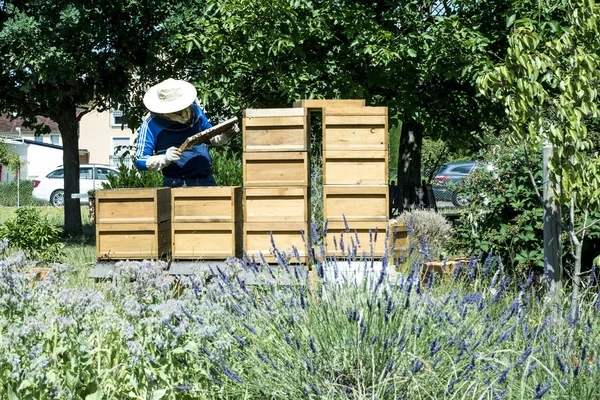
column 51, row 187
column 447, row 182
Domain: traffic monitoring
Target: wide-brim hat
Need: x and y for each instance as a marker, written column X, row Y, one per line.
column 169, row 96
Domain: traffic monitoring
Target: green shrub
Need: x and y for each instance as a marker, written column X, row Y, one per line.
column 430, row 225
column 227, row 167
column 33, row 233
column 8, row 193
column 130, row 177
column 504, row 215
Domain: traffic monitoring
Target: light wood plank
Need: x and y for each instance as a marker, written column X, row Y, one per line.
column 206, row 240
column 282, row 138
column 356, row 111
column 370, row 120
column 273, row 112
column 276, row 169
column 276, row 204
column 358, row 137
column 356, row 202
column 275, row 121
column 206, row 204
column 322, row 103
column 355, row 168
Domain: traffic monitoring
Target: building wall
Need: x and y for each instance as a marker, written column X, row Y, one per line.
column 98, row 135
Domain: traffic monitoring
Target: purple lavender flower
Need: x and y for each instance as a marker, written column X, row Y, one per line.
column 434, row 347
column 315, row 389
column 262, row 356
column 346, row 223
column 417, row 365
column 541, row 390
column 231, row 375
column 313, row 347
column 251, row 329
column 560, row 363
column 388, row 368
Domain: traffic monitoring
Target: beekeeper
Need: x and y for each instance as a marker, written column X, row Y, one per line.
column 175, row 115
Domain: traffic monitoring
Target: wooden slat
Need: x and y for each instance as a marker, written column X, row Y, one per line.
column 276, row 169
column 273, row 112
column 275, row 138
column 357, row 137
column 370, row 120
column 207, row 240
column 133, row 205
column 275, row 121
column 277, row 204
column 364, row 230
column 355, row 167
column 132, row 241
column 356, row 111
column 206, row 204
column 322, row 103
column 257, row 239
column 356, row 203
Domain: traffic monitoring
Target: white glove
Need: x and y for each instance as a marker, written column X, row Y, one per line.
column 224, row 137
column 173, row 154
column 158, row 162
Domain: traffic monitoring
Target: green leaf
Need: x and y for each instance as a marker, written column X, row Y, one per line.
column 510, row 20
column 412, row 53
column 159, row 394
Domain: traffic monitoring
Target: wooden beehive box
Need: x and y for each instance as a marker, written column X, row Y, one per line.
column 133, row 223
column 206, row 204
column 135, row 241
column 276, row 169
column 357, row 239
column 356, row 203
column 206, row 222
column 355, row 167
column 207, row 240
column 355, row 128
column 281, row 204
column 257, row 239
column 133, row 206
column 322, row 103
column 275, row 129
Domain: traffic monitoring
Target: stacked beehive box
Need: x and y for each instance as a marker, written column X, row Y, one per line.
column 276, row 181
column 206, row 222
column 133, row 223
column 355, row 178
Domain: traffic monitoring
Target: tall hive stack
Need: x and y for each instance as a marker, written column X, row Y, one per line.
column 133, row 223
column 206, row 222
column 276, row 181
column 355, row 178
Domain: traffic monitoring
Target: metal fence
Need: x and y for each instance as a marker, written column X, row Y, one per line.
column 16, row 192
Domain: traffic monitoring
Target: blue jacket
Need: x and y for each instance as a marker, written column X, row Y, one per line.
column 157, row 134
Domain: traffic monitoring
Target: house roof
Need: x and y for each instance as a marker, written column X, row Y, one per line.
column 8, row 126
column 17, row 139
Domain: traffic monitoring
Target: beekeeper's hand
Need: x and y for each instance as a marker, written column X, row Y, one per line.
column 173, row 154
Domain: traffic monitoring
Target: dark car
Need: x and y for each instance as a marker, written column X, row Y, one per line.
column 447, row 182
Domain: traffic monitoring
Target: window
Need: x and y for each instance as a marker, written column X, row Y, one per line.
column 116, row 119
column 120, row 149
column 85, row 173
column 55, row 139
column 56, row 174
column 103, row 173
column 463, row 170
column 39, row 139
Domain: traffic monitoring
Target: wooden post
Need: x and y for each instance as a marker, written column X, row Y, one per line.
column 552, row 231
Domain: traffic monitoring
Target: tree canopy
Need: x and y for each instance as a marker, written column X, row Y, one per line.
column 61, row 59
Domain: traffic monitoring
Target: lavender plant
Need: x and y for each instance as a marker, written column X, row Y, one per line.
column 149, row 335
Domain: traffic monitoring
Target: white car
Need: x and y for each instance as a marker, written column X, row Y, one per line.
column 51, row 187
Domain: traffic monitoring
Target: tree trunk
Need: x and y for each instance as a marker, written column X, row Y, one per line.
column 67, row 124
column 409, row 164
